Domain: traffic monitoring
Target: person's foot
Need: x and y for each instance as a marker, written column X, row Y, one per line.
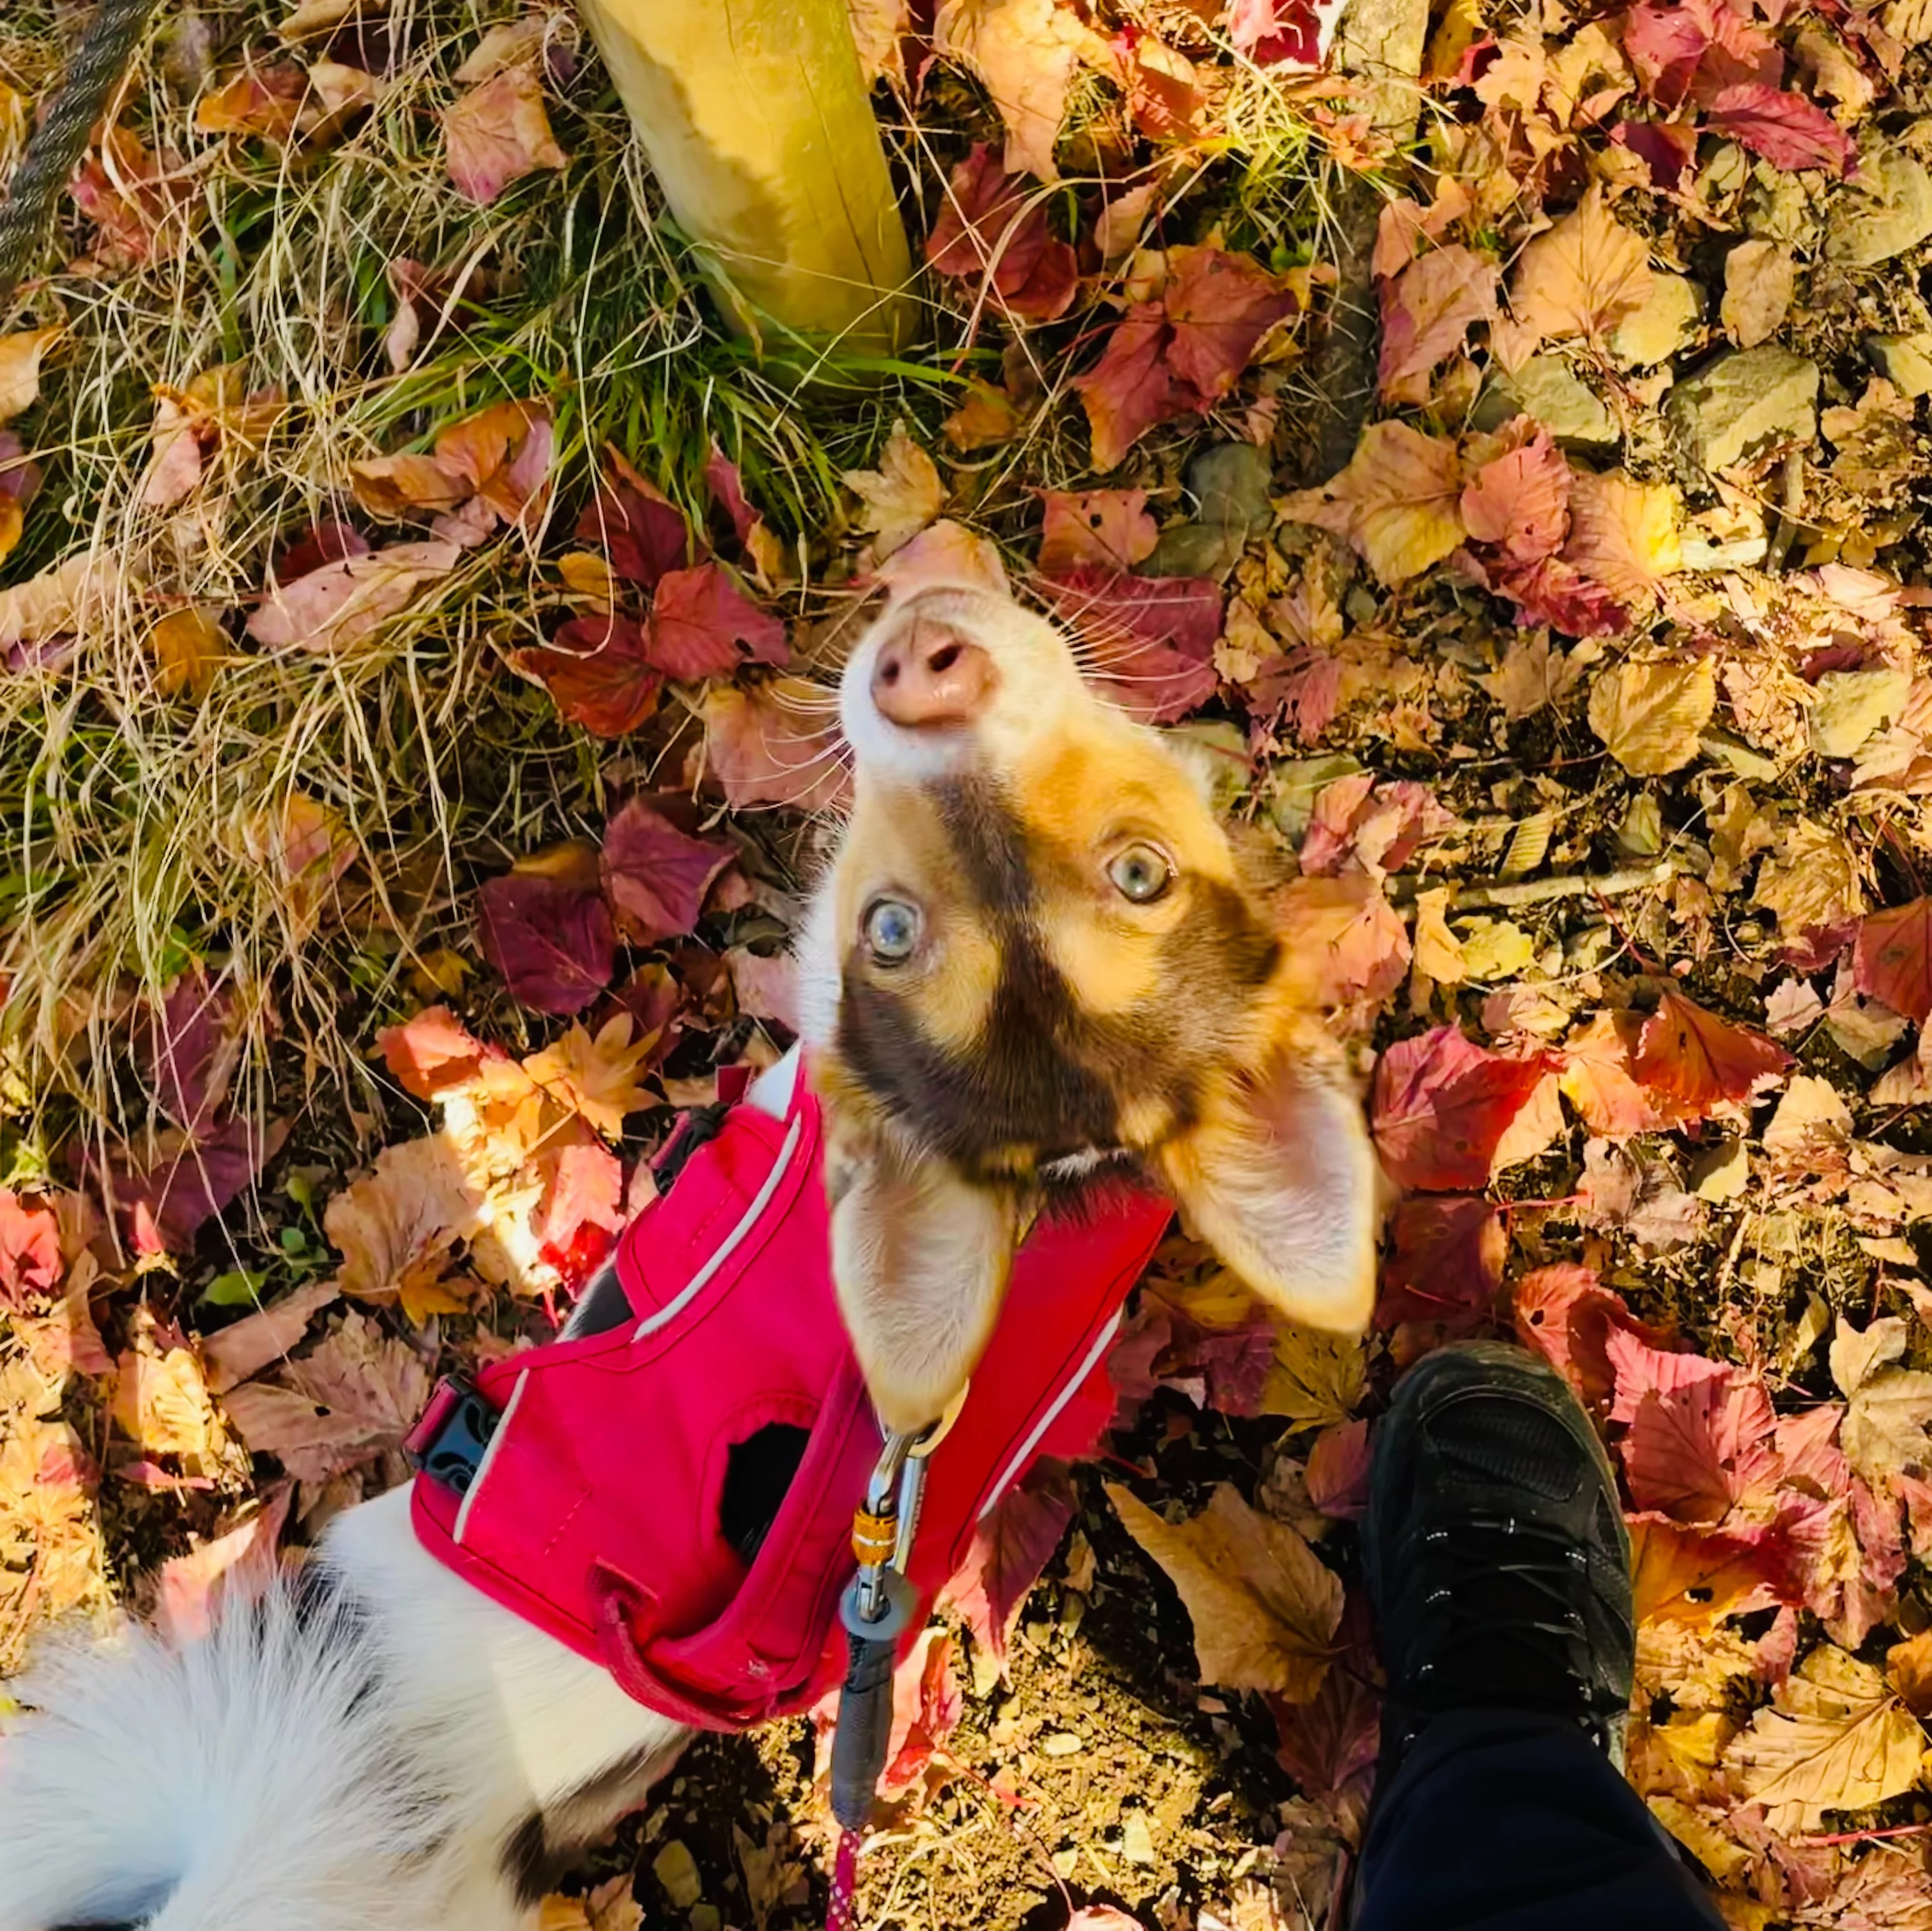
column 1497, row 1563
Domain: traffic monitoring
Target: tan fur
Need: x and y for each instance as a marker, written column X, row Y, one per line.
column 1176, row 1024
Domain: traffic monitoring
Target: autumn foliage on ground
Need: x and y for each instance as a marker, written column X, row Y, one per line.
column 414, row 717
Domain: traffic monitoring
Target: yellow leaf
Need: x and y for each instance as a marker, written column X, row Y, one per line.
column 1317, row 1379
column 1681, row 1576
column 587, row 575
column 417, row 1204
column 1581, row 278
column 1908, row 1665
column 20, row 369
column 1811, row 879
column 599, row 1078
column 1651, row 715
column 1834, row 1739
column 1623, row 535
column 901, row 495
column 1496, row 948
column 1888, row 1426
column 1700, row 1833
column 1438, row 952
column 1265, row 1606
column 188, row 647
column 55, row 601
column 161, row 1401
column 1397, row 503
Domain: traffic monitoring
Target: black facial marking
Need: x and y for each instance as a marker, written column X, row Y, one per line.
column 989, row 843
column 545, row 1847
column 529, row 1867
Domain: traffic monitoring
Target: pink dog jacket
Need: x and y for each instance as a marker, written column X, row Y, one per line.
column 595, row 1497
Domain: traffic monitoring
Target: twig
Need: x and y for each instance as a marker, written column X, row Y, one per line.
column 1869, row 1836
column 1537, row 891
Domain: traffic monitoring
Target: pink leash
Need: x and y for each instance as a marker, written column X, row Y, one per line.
column 844, row 1883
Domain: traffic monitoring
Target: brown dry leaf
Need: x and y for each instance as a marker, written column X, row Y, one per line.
column 20, row 369
column 1908, row 1667
column 1759, row 280
column 1024, row 53
column 188, row 647
column 392, row 488
column 1532, row 677
column 1581, row 278
column 901, row 495
column 498, row 132
column 600, row 1078
column 161, row 1401
column 1700, row 1832
column 1811, row 879
column 1624, row 535
column 343, row 602
column 1651, row 715
column 418, row 1203
column 1397, row 503
column 51, row 1557
column 258, row 1340
column 59, row 600
column 1835, row 1738
column 1265, row 1606
column 1317, row 1379
column 1888, row 1425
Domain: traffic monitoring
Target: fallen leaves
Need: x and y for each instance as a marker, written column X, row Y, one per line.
column 1024, row 52
column 1581, row 278
column 1441, row 1105
column 556, row 946
column 901, row 496
column 1651, row 715
column 20, row 354
column 497, row 133
column 1698, row 1060
column 1397, row 503
column 1265, row 1606
column 344, row 602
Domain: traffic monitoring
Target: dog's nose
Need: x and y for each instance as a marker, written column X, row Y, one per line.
column 929, row 675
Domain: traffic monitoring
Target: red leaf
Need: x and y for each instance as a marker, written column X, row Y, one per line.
column 599, row 673
column 1361, row 825
column 582, row 1210
column 642, row 533
column 167, row 1198
column 328, row 542
column 986, row 230
column 1698, row 1432
column 1568, row 1316
column 1521, row 501
column 431, row 1051
column 703, row 625
column 238, row 1567
column 1790, row 133
column 1893, row 959
column 927, row 1705
column 1152, row 638
column 728, row 491
column 1667, row 147
column 1131, row 388
column 1298, row 33
column 188, row 1049
column 1219, row 306
column 1442, row 1103
column 1323, row 1743
column 556, row 948
column 1109, row 529
column 775, row 744
column 1445, row 1263
column 30, row 1251
column 1338, row 1469
column 1699, row 1059
column 1553, row 591
column 655, row 876
column 1010, row 1548
column 1692, row 48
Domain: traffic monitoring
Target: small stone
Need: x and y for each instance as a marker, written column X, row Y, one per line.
column 1136, row 1839
column 1852, row 705
column 1885, row 208
column 1196, row 549
column 1061, row 1743
column 1545, row 389
column 1721, row 1173
column 677, row 1870
column 1743, row 401
column 1670, row 318
column 1904, row 360
column 1230, row 482
column 1296, row 782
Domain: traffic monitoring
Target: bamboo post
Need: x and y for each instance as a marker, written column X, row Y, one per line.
column 755, row 117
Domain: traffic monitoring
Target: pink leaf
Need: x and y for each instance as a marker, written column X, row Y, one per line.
column 1445, row 1264
column 774, row 744
column 555, row 947
column 1010, row 1548
column 1564, row 1313
column 30, row 1251
column 188, row 1049
column 497, row 133
column 1218, row 307
column 1428, row 308
column 1520, row 502
column 1790, row 133
column 703, row 625
column 238, row 1566
column 1284, row 33
column 655, row 877
column 1692, row 48
column 1152, row 638
column 184, row 1181
column 342, row 602
column 581, row 1211
column 1441, row 1104
column 1363, row 825
column 1699, row 1436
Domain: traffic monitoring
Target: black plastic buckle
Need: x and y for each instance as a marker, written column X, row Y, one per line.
column 693, row 1128
column 451, row 1449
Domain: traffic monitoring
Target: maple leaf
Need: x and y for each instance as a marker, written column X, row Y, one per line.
column 1698, row 1433
column 161, row 1401
column 599, row 672
column 1789, row 132
column 1520, row 501
column 1532, row 677
column 1445, row 1263
column 418, row 1200
column 1834, row 1738
column 775, row 744
column 431, row 1051
column 1698, row 1060
column 1599, row 1078
column 342, row 602
column 1106, row 529
column 238, row 1567
column 599, row 1078
column 246, row 1347
column 1024, row 53
column 630, row 520
column 1265, row 1607
column 1427, row 310
column 927, row 1705
column 555, row 947
column 1012, row 1545
column 1623, row 536
column 1650, row 716
column 1151, row 639
column 30, row 1251
column 702, row 624
column 498, row 132
column 901, row 495
column 1568, row 1316
column 352, row 1398
column 1892, row 960
column 1397, row 503
column 1699, row 1578
column 188, row 647
column 1580, row 277
column 1369, row 824
column 1442, row 1103
column 655, row 876
column 990, row 228
column 20, row 354
column 582, row 1210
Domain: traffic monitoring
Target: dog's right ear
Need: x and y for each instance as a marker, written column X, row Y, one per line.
column 920, row 1259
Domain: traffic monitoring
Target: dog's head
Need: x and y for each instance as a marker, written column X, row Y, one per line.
column 1037, row 954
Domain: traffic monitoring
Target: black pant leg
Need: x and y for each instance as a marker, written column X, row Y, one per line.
column 1503, row 1821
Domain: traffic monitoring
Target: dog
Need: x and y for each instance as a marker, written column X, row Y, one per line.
column 1036, row 958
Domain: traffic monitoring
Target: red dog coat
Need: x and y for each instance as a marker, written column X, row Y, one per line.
column 593, row 1500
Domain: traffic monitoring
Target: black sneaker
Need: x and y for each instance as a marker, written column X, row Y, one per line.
column 1497, row 1563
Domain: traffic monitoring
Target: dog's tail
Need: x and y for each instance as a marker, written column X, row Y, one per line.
column 246, row 1779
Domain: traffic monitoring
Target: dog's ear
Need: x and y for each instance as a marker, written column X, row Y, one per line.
column 920, row 1259
column 1279, row 1177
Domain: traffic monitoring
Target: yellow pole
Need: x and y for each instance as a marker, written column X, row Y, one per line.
column 755, row 117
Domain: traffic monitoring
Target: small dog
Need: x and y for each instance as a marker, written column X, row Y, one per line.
column 1035, row 955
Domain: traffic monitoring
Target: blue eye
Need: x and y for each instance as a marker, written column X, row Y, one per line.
column 892, row 930
column 1140, row 873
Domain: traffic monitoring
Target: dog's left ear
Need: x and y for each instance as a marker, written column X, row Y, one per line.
column 920, row 1259
column 1279, row 1179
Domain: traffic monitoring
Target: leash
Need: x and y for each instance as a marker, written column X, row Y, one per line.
column 876, row 1609
column 57, row 144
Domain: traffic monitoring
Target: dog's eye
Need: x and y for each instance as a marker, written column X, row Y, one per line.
column 1140, row 873
column 892, row 930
